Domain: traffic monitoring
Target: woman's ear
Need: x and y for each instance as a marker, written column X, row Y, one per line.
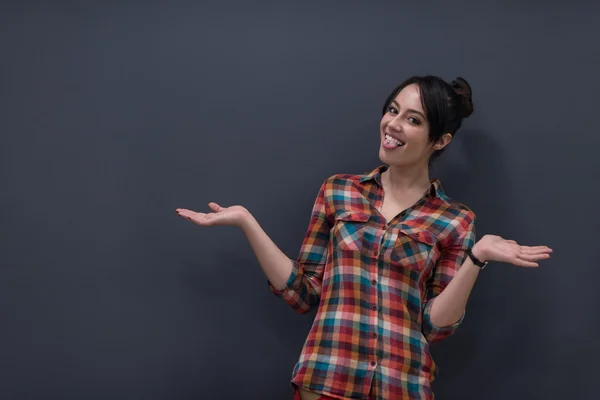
column 443, row 141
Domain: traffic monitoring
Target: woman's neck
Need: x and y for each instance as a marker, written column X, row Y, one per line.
column 407, row 178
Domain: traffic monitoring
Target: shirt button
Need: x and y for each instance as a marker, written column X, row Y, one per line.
column 374, row 307
column 373, row 363
column 374, row 334
column 373, row 282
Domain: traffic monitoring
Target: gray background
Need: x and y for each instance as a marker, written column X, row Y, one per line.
column 112, row 115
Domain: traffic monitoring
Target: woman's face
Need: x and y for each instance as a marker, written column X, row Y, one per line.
column 404, row 131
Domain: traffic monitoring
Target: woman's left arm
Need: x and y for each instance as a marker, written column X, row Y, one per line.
column 448, row 307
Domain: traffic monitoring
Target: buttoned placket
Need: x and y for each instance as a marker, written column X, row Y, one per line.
column 374, row 281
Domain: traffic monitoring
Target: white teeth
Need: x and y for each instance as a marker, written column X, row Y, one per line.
column 393, row 140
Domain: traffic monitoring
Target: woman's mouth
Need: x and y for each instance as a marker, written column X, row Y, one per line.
column 390, row 142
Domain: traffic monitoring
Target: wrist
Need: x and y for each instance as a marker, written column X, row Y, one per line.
column 246, row 221
column 479, row 252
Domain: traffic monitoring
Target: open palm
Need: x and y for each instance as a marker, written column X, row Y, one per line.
column 233, row 215
column 498, row 249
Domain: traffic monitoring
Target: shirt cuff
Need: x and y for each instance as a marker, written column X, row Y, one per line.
column 290, row 282
column 434, row 330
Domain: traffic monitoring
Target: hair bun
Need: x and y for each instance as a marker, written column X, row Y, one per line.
column 463, row 90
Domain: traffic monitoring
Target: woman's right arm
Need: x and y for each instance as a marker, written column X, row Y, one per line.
column 274, row 263
column 297, row 282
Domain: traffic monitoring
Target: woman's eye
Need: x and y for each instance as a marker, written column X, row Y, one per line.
column 414, row 121
column 392, row 110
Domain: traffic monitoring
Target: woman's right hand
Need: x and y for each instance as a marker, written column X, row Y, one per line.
column 275, row 264
column 233, row 216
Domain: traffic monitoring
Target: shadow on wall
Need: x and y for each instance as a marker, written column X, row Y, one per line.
column 474, row 172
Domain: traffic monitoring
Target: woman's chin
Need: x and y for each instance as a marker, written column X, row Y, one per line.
column 396, row 160
column 385, row 156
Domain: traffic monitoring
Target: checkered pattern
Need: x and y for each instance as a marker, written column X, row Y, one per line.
column 373, row 281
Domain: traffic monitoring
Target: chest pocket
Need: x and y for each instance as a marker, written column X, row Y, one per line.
column 349, row 230
column 414, row 249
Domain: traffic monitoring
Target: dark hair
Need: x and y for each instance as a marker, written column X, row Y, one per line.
column 445, row 104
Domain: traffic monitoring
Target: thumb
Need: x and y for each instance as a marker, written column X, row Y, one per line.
column 215, row 207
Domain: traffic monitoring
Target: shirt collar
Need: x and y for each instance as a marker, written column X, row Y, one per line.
column 435, row 189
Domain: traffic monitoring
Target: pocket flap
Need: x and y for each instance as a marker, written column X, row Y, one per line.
column 353, row 216
column 421, row 236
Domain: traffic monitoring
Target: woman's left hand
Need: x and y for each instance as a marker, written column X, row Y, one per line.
column 495, row 248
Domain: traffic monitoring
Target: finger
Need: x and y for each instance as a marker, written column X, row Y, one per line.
column 187, row 214
column 199, row 218
column 215, row 207
column 535, row 249
column 522, row 263
column 184, row 212
column 525, row 260
column 180, row 210
column 534, row 257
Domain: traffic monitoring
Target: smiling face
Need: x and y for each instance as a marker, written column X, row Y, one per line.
column 404, row 131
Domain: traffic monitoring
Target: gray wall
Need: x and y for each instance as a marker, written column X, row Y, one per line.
column 112, row 115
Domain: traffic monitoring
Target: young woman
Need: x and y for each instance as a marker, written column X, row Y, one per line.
column 389, row 259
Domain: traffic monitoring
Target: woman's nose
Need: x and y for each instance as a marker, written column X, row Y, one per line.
column 395, row 125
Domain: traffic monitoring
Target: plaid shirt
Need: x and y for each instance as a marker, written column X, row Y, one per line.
column 373, row 281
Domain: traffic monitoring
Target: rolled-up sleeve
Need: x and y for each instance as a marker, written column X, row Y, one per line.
column 302, row 290
column 452, row 256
